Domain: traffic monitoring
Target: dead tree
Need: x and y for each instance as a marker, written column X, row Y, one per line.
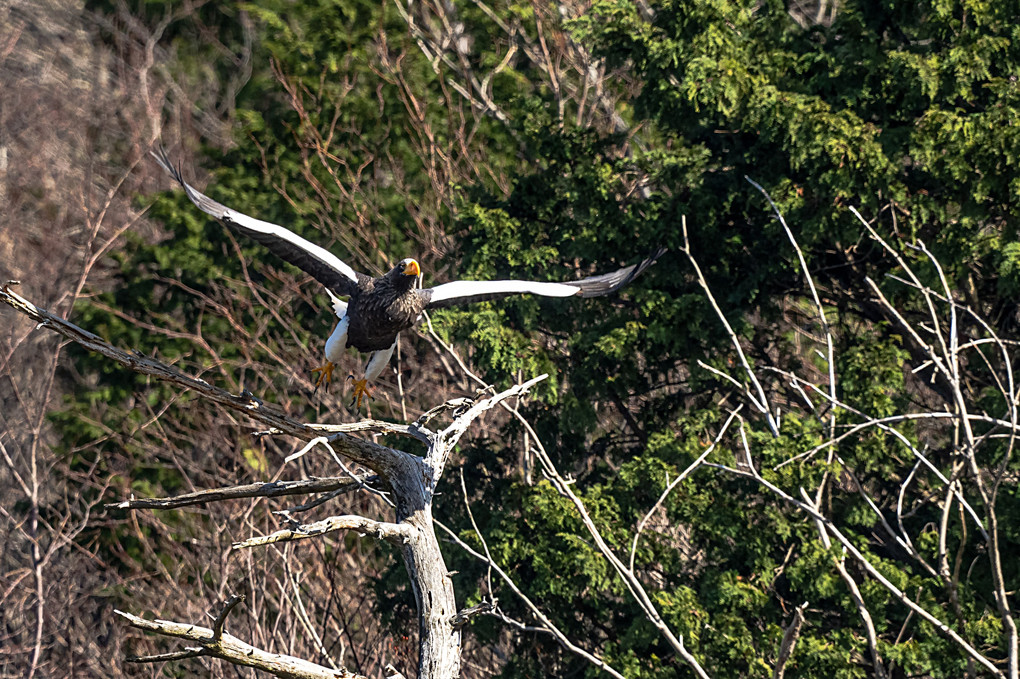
column 407, row 482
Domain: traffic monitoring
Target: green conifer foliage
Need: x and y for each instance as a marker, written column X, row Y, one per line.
column 909, row 113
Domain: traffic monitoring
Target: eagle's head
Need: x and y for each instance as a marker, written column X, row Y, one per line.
column 405, row 274
column 409, row 267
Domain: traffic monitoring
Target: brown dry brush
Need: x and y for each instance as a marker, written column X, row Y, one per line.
column 76, row 121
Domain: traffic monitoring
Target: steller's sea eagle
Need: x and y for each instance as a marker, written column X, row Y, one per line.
column 379, row 308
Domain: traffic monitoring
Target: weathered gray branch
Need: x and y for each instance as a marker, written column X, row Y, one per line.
column 392, row 673
column 395, row 533
column 548, row 626
column 463, row 617
column 221, row 617
column 878, row 667
column 629, row 577
column 231, row 649
column 445, row 441
column 381, row 426
column 270, row 489
column 789, row 641
column 168, row 657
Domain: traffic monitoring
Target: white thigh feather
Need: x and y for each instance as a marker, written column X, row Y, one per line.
column 378, row 362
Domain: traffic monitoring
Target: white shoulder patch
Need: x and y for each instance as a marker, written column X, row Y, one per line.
column 339, row 306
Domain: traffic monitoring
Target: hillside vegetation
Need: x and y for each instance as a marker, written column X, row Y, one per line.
column 787, row 449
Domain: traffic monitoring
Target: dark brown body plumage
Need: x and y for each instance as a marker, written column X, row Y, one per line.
column 381, row 307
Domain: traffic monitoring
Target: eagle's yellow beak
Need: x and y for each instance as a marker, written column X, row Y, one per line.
column 412, row 269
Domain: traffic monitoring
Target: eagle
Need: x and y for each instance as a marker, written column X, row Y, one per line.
column 378, row 309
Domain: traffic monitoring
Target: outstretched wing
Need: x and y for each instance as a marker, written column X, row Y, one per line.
column 319, row 263
column 466, row 292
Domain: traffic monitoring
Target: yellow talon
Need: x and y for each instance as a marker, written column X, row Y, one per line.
column 360, row 391
column 325, row 375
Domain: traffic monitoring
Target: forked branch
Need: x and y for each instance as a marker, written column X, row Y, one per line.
column 215, row 643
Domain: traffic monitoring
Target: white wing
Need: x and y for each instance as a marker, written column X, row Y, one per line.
column 470, row 289
column 316, row 261
column 466, row 292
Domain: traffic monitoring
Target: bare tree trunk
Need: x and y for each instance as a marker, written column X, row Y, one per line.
column 438, row 639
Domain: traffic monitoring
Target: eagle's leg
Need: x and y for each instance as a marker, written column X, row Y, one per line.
column 335, row 346
column 372, row 370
